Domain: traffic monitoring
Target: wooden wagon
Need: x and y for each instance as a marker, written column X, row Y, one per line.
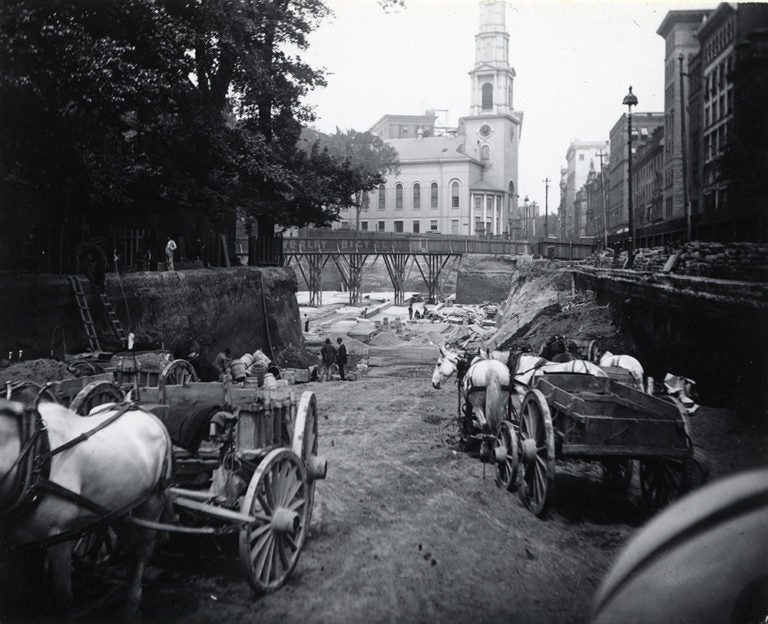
column 571, row 416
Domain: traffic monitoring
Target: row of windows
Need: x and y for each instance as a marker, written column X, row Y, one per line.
column 416, row 196
column 399, row 226
column 722, row 38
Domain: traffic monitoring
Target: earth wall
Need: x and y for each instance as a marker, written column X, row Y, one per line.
column 244, row 308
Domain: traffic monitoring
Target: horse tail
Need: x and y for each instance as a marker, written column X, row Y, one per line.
column 495, row 402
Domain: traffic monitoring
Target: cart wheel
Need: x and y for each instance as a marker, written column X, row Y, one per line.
column 617, row 474
column 507, row 456
column 278, row 497
column 304, row 443
column 662, row 481
column 94, row 394
column 592, row 351
column 30, row 393
column 450, row 433
column 177, row 373
column 537, row 452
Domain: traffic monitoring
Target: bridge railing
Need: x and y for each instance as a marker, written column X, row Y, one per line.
column 382, row 243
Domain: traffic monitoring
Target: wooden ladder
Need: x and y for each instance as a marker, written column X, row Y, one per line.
column 117, row 326
column 85, row 312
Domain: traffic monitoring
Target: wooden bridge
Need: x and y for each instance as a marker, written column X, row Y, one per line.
column 351, row 251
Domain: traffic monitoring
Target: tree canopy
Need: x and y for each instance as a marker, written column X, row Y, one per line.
column 130, row 111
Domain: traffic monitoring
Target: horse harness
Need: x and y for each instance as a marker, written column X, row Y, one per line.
column 32, row 478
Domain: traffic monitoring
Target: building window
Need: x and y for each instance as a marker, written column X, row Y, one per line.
column 398, row 226
column 669, row 207
column 433, row 225
column 478, row 204
column 487, row 103
column 454, row 226
column 454, row 194
column 380, row 226
column 416, row 227
column 433, row 195
column 485, row 153
column 417, row 196
column 364, row 226
column 398, row 196
column 581, row 156
column 382, row 197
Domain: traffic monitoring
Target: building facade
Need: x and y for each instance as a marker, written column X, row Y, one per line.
column 462, row 182
column 580, row 159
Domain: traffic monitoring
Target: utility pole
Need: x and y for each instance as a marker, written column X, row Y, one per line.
column 602, row 192
column 684, row 150
column 546, row 207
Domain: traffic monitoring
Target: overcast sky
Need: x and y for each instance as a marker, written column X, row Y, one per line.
column 574, row 63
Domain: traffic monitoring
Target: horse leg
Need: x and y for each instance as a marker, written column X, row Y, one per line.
column 60, row 570
column 142, row 542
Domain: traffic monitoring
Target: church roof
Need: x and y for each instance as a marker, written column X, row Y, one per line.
column 431, row 149
column 482, row 185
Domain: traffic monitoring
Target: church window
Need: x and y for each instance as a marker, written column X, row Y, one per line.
column 417, row 196
column 398, row 226
column 433, row 195
column 487, row 102
column 398, row 196
column 478, row 203
column 416, row 227
column 433, row 225
column 380, row 226
column 454, row 226
column 454, row 194
column 364, row 226
column 382, row 197
column 485, row 153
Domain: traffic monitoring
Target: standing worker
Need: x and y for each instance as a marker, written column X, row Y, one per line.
column 410, row 311
column 306, row 323
column 341, row 356
column 223, row 360
column 328, row 355
column 170, row 247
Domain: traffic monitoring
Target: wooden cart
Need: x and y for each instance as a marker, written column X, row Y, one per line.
column 256, row 468
column 598, row 419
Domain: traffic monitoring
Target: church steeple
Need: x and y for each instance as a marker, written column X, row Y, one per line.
column 492, row 77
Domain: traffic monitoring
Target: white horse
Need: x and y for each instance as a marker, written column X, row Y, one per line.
column 116, row 460
column 627, row 362
column 524, row 367
column 485, row 387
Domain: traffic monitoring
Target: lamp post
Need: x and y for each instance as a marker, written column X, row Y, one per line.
column 546, row 207
column 684, row 150
column 630, row 99
column 525, row 218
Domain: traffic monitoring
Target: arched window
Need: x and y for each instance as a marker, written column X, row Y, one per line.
column 398, row 196
column 455, row 194
column 485, row 153
column 417, row 196
column 487, row 96
column 433, row 195
column 382, row 197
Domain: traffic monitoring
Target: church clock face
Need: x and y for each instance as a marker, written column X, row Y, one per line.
column 485, row 131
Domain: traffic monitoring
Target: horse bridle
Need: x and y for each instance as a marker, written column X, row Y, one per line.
column 34, row 444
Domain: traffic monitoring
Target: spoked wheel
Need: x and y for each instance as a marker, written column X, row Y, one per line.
column 537, row 452
column 450, row 433
column 278, row 497
column 30, row 393
column 662, row 481
column 617, row 474
column 507, row 459
column 94, row 394
column 304, row 443
column 177, row 373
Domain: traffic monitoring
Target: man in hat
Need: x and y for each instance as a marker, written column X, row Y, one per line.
column 328, row 358
column 341, row 356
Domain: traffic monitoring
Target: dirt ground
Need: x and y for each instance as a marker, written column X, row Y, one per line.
column 407, row 530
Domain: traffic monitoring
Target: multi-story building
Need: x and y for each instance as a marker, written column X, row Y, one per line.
column 678, row 28
column 730, row 107
column 578, row 157
column 463, row 182
column 596, row 191
column 643, row 126
column 561, row 212
column 648, row 189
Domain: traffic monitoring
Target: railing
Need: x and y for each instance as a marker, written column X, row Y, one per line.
column 405, row 244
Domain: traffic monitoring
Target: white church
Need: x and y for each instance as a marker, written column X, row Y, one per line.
column 462, row 181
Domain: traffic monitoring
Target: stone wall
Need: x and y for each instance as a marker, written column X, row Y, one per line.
column 217, row 307
column 735, row 261
column 483, row 278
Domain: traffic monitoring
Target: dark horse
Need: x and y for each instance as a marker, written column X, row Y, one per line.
column 559, row 348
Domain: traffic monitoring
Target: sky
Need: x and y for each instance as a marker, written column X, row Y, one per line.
column 574, row 62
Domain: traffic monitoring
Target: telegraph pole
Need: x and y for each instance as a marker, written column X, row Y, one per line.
column 546, row 207
column 602, row 192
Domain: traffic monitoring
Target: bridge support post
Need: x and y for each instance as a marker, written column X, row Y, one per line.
column 396, row 264
column 435, row 263
column 356, row 262
column 316, row 263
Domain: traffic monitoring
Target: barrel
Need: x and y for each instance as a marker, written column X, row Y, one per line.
column 246, row 359
column 270, row 381
column 237, row 368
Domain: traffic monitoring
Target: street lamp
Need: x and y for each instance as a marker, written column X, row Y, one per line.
column 630, row 99
column 525, row 218
column 546, row 206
